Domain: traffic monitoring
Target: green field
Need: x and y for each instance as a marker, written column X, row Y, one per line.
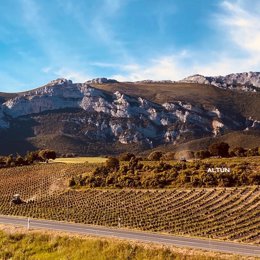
column 80, row 160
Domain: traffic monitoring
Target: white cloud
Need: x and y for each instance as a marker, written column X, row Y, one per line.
column 242, row 26
column 73, row 75
column 222, row 65
column 162, row 68
column 46, row 69
column 236, row 23
column 104, row 64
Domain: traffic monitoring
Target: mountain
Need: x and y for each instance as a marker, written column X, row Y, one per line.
column 247, row 81
column 109, row 117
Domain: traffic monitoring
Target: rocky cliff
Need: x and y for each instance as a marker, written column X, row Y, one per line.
column 84, row 112
column 247, row 81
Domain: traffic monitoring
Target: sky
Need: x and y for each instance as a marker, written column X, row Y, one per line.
column 127, row 40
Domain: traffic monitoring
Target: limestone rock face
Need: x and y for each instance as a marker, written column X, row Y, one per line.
column 246, row 81
column 200, row 79
column 117, row 117
column 101, row 81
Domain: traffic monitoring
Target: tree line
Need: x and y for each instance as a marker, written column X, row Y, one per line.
column 138, row 174
column 221, row 149
column 30, row 158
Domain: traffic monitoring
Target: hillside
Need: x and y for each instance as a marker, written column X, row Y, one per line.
column 5, row 96
column 214, row 212
column 97, row 118
column 246, row 81
column 246, row 139
column 238, row 102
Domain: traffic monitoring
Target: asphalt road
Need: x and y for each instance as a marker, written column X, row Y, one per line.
column 225, row 247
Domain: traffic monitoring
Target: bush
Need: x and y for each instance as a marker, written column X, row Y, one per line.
column 19, row 161
column 112, row 163
column 45, row 155
column 126, row 157
column 238, row 151
column 219, row 149
column 203, row 154
column 10, row 160
column 155, row 156
column 252, row 152
column 72, row 182
column 169, row 156
column 33, row 156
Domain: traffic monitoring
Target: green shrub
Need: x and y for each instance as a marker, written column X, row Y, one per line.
column 202, row 154
column 126, row 157
column 155, row 156
column 219, row 149
column 112, row 163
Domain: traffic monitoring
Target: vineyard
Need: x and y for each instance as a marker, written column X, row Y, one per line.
column 221, row 213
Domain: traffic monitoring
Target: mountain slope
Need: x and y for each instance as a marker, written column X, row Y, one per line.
column 111, row 117
column 246, row 81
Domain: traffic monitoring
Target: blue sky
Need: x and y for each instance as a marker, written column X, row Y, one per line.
column 41, row 40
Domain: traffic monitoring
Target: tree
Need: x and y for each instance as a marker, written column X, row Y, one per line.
column 169, row 156
column 2, row 161
column 133, row 163
column 9, row 160
column 219, row 149
column 208, row 179
column 254, row 178
column 112, row 163
column 155, row 156
column 20, row 161
column 126, row 157
column 252, row 152
column 238, row 151
column 72, row 182
column 33, row 156
column 46, row 155
column 202, row 154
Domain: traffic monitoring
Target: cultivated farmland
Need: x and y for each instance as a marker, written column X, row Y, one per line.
column 221, row 213
column 80, row 160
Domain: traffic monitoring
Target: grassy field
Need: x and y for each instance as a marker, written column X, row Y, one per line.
column 18, row 244
column 80, row 160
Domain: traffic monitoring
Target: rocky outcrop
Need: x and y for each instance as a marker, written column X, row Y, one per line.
column 113, row 116
column 101, row 81
column 116, row 117
column 247, row 81
column 149, row 81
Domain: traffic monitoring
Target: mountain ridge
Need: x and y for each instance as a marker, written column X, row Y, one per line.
column 246, row 81
column 121, row 115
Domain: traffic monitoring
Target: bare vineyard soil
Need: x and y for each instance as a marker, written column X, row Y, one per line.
column 222, row 213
